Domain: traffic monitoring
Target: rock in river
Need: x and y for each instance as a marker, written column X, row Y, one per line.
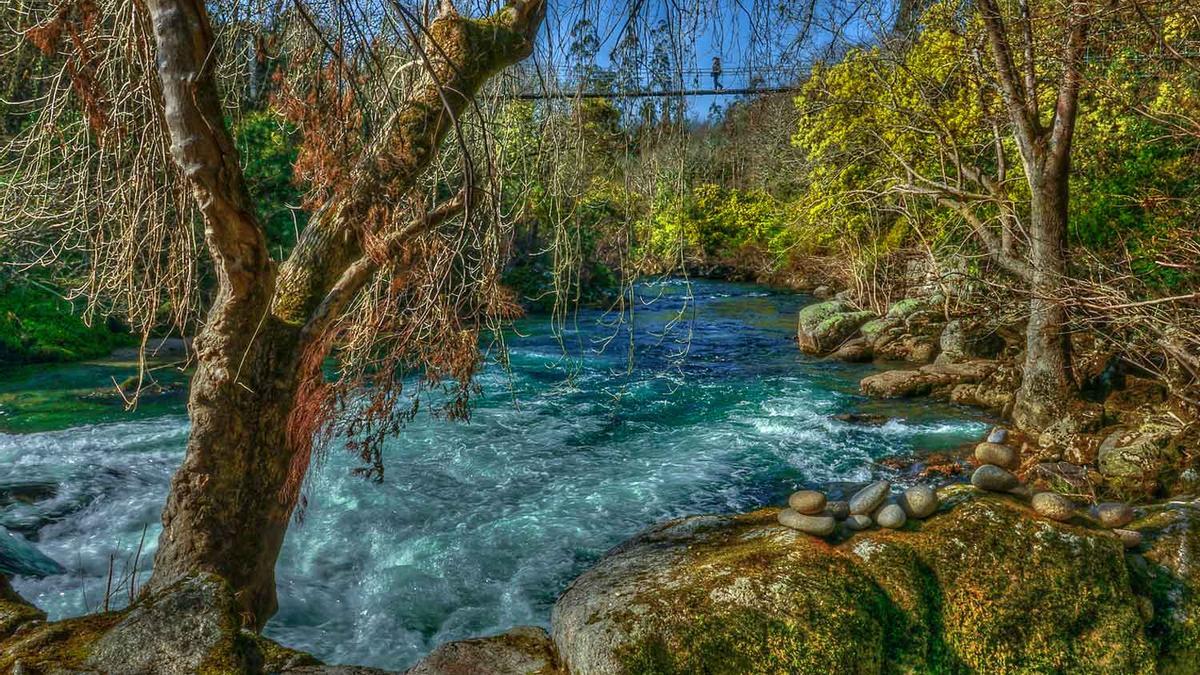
column 995, row 453
column 993, row 478
column 807, row 502
column 1114, row 514
column 20, row 558
column 891, row 516
column 1130, row 538
column 918, row 501
column 739, row 594
column 839, row 509
column 998, row 435
column 1053, row 506
column 868, row 499
column 820, row 526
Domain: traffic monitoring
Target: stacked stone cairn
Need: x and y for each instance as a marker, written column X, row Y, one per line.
column 810, row 512
column 996, row 460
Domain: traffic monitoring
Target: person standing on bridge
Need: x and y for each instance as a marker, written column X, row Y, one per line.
column 716, row 73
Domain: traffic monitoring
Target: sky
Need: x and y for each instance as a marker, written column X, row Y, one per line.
column 774, row 42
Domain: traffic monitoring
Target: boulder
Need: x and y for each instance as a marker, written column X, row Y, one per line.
column 858, row 522
column 824, row 326
column 1053, row 506
column 741, row 594
column 919, row 501
column 1114, row 514
column 1136, row 462
column 903, row 309
column 818, row 526
column 993, row 478
column 807, row 502
column 995, row 453
column 966, row 340
column 926, row 379
column 891, row 516
column 866, row 500
column 854, row 351
column 840, row 510
column 822, row 292
column 1164, row 572
column 524, row 650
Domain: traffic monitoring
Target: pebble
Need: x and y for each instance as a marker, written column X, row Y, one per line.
column 858, row 521
column 998, row 435
column 994, row 453
column 820, row 526
column 891, row 516
column 993, row 478
column 1114, row 514
column 919, row 501
column 840, row 510
column 869, row 498
column 1053, row 506
column 1131, row 538
column 808, row 502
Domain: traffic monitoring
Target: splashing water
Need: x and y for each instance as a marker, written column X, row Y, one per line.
column 478, row 526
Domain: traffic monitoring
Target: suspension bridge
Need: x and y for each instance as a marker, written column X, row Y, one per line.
column 614, row 84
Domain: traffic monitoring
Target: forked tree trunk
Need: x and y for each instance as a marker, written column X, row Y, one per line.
column 1046, row 385
column 231, row 501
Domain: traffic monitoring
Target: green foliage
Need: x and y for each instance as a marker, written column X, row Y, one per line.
column 37, row 325
column 267, row 145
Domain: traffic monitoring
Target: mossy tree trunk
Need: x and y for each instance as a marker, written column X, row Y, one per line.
column 231, row 500
column 1045, row 149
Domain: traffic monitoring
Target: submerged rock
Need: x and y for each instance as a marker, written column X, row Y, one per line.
column 807, row 502
column 859, row 522
column 866, row 500
column 993, row 478
column 20, row 558
column 742, row 594
column 524, row 650
column 840, row 510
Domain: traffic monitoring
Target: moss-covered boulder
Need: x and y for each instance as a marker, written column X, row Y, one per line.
column 1138, row 462
column 824, row 326
column 983, row 586
column 1164, row 571
column 524, row 650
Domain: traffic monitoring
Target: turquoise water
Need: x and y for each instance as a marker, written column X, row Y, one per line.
column 478, row 526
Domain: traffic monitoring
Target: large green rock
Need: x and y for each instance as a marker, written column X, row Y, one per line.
column 983, row 586
column 824, row 326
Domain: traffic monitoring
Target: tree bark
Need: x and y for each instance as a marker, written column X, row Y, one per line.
column 1046, row 385
column 231, row 500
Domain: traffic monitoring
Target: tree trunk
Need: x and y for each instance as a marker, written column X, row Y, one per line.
column 230, row 501
column 1046, row 385
column 264, row 338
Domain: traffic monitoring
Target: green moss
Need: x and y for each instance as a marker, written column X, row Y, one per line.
column 984, row 586
column 38, row 326
column 817, row 313
column 62, row 645
column 905, row 308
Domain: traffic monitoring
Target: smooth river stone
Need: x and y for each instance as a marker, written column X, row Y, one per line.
column 1053, row 506
column 994, row 453
column 820, row 526
column 993, row 478
column 997, row 435
column 919, row 501
column 1130, row 538
column 891, row 516
column 808, row 502
column 1114, row 514
column 858, row 521
column 869, row 498
column 840, row 510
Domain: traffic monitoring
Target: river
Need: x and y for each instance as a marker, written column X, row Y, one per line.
column 478, row 526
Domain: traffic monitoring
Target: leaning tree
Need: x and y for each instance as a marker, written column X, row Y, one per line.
column 126, row 155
